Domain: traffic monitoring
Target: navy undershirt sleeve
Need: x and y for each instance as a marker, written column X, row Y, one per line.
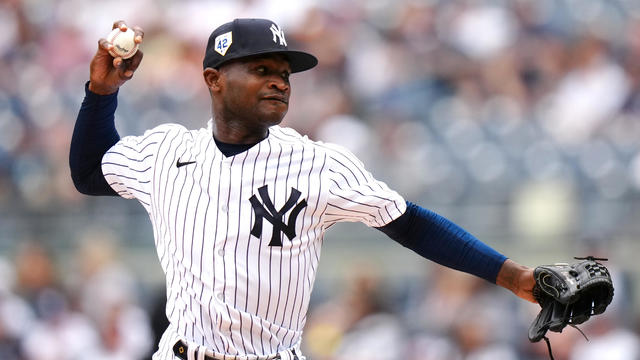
column 439, row 239
column 94, row 133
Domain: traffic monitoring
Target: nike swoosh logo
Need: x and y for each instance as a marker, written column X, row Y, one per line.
column 181, row 164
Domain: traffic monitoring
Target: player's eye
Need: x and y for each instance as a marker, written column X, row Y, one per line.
column 261, row 69
column 285, row 75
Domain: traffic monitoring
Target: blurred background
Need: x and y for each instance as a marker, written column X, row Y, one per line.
column 519, row 120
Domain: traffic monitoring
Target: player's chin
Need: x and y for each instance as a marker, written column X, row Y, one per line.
column 274, row 114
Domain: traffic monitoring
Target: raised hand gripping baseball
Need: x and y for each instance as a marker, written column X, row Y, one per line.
column 108, row 73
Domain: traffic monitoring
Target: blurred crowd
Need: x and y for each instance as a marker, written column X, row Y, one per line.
column 87, row 307
column 528, row 110
column 462, row 96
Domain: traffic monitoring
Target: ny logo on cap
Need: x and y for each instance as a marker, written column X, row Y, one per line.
column 277, row 32
column 223, row 42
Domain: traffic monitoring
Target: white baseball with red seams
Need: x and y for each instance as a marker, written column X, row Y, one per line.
column 123, row 43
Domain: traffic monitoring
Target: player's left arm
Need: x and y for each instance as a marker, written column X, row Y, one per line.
column 440, row 240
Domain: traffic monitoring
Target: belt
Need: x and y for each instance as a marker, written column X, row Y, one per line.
column 181, row 350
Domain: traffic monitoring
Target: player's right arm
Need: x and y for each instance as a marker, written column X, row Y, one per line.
column 94, row 132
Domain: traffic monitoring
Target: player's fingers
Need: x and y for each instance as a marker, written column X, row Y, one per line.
column 119, row 24
column 105, row 45
column 117, row 62
column 139, row 34
column 135, row 61
column 127, row 74
column 129, row 66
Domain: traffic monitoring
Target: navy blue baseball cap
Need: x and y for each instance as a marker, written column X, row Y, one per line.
column 246, row 37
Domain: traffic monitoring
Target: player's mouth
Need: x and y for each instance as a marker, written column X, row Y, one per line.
column 278, row 98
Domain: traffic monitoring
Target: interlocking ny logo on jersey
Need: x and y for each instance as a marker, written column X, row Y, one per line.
column 277, row 32
column 268, row 211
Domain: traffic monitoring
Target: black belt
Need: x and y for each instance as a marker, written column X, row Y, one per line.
column 180, row 350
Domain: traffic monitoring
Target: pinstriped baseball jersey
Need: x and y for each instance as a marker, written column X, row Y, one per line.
column 239, row 237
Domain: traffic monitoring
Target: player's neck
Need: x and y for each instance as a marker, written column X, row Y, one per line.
column 235, row 132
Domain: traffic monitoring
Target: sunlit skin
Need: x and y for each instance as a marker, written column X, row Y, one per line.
column 248, row 96
column 517, row 278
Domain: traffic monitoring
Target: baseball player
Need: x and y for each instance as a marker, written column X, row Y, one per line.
column 239, row 208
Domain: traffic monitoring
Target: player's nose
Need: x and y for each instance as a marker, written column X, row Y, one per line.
column 280, row 84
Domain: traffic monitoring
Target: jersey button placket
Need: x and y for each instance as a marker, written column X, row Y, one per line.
column 225, row 184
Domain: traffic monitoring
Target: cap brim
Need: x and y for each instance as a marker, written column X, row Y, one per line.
column 298, row 60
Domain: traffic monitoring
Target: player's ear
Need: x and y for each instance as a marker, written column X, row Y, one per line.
column 212, row 77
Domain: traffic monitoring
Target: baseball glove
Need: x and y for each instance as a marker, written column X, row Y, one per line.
column 569, row 295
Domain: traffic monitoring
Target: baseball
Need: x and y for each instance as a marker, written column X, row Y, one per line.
column 123, row 43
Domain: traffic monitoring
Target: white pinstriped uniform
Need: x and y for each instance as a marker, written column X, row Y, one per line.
column 227, row 289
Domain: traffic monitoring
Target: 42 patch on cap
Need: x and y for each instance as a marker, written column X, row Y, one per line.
column 223, row 42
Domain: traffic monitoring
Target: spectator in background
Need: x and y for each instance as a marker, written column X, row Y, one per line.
column 58, row 332
column 95, row 317
column 454, row 316
column 35, row 273
column 108, row 294
column 16, row 317
column 607, row 340
column 356, row 323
